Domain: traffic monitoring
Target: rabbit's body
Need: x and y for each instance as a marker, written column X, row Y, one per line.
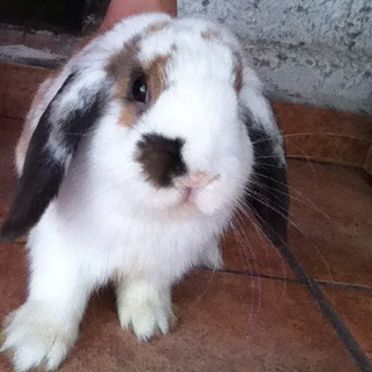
column 132, row 162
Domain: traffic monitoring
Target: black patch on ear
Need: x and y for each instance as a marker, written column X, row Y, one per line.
column 267, row 193
column 161, row 158
column 42, row 172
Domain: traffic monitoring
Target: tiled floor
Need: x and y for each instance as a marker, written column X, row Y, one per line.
column 256, row 315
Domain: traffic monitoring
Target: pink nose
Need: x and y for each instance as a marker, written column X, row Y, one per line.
column 198, row 179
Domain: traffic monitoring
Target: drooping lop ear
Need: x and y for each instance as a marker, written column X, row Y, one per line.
column 72, row 112
column 267, row 192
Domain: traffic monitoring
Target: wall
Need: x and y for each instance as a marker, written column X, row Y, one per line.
column 308, row 51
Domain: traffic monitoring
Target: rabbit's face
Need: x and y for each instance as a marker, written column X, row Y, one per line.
column 177, row 141
column 174, row 122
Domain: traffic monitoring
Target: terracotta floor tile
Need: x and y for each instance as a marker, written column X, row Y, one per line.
column 13, row 277
column 9, row 132
column 246, row 250
column 226, row 323
column 323, row 134
column 355, row 308
column 334, row 215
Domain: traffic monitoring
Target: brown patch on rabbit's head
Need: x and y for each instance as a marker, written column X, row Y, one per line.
column 125, row 68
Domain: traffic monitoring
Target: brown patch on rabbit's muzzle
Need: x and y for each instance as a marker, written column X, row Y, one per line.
column 161, row 159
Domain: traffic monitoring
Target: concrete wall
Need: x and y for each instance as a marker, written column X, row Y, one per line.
column 309, row 51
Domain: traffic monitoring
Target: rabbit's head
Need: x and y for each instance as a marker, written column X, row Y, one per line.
column 173, row 117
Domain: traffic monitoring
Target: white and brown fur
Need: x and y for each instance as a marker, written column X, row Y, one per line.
column 111, row 189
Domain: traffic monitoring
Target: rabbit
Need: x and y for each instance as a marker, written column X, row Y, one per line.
column 132, row 162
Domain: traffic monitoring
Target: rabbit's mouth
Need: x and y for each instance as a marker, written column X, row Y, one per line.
column 194, row 185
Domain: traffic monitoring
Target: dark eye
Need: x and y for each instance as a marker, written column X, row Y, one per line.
column 139, row 89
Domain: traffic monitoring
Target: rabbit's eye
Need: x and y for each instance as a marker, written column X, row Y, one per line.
column 139, row 89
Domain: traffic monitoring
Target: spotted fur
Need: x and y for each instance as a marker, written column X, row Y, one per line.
column 137, row 192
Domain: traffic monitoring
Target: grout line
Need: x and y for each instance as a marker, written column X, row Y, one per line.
column 259, row 275
column 322, row 283
column 326, row 308
column 332, row 284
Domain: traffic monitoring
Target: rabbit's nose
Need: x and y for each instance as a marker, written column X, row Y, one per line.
column 199, row 179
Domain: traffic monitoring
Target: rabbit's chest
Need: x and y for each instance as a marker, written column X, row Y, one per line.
column 147, row 246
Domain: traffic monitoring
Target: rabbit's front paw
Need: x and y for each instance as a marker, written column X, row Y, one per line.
column 144, row 310
column 36, row 339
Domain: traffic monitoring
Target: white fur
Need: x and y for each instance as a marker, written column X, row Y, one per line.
column 107, row 222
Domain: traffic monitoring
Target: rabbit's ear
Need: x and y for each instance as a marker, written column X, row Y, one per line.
column 72, row 112
column 267, row 193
